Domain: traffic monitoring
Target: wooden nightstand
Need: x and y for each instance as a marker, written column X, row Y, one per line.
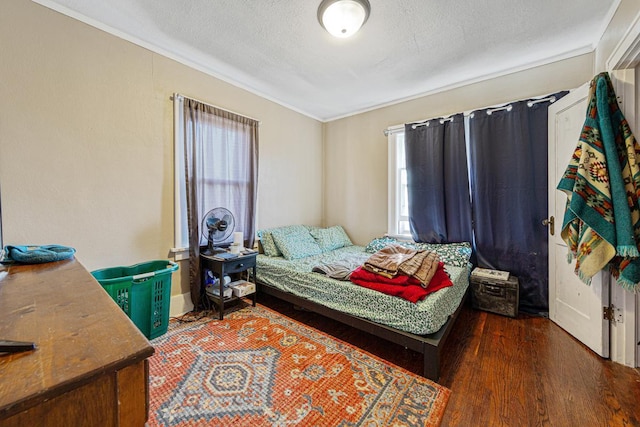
column 227, row 267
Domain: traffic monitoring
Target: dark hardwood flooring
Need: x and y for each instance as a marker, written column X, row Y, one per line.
column 510, row 372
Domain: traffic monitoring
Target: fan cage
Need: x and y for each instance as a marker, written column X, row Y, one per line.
column 218, row 242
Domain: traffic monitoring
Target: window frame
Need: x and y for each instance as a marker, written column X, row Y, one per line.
column 395, row 142
column 180, row 229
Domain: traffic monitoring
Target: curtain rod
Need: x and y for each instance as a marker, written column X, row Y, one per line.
column 551, row 99
column 508, row 107
column 393, row 129
column 490, row 111
column 442, row 121
column 180, row 96
column 400, row 128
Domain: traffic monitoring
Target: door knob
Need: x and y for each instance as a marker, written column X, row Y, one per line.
column 550, row 222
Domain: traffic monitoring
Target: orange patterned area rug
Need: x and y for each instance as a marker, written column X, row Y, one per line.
column 259, row 368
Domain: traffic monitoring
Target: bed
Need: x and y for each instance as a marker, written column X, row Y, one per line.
column 284, row 270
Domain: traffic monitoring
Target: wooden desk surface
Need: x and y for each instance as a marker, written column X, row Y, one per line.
column 79, row 331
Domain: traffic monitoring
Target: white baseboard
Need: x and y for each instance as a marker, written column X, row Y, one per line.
column 180, row 304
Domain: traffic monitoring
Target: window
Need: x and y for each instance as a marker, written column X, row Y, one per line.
column 398, row 215
column 222, row 148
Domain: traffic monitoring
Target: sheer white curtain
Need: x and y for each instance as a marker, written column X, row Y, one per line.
column 221, row 170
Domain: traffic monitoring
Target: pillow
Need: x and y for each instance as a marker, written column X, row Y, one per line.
column 266, row 238
column 268, row 245
column 331, row 238
column 456, row 254
column 295, row 242
column 380, row 242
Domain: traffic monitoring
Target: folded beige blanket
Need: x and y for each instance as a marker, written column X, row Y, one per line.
column 393, row 260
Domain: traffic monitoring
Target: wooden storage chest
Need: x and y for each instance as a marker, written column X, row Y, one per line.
column 494, row 295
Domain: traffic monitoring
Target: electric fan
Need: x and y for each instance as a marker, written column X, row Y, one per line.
column 217, row 226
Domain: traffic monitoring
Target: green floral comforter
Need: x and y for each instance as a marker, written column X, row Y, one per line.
column 422, row 318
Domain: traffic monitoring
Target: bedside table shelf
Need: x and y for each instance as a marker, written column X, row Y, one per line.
column 224, row 267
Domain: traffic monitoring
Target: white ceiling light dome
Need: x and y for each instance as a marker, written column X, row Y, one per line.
column 343, row 18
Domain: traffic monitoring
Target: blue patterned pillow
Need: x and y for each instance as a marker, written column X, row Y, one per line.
column 268, row 245
column 331, row 238
column 295, row 242
column 380, row 242
column 456, row 254
column 266, row 237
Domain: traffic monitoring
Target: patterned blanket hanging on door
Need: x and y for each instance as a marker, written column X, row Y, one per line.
column 601, row 224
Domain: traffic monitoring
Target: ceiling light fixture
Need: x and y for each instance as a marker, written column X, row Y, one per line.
column 343, row 18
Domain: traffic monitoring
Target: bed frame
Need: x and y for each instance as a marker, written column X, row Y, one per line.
column 430, row 346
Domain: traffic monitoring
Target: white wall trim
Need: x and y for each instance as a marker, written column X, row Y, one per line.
column 637, row 337
column 180, row 304
column 627, row 52
column 624, row 334
column 180, row 254
column 392, row 202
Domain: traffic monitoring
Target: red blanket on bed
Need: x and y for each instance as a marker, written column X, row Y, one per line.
column 402, row 286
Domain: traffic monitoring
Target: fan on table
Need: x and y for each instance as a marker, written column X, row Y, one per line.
column 217, row 226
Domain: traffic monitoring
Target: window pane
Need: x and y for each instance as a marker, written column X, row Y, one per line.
column 398, row 203
column 403, row 227
column 403, row 203
column 400, row 150
column 402, row 190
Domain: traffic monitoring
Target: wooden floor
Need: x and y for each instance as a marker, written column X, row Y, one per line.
column 510, row 372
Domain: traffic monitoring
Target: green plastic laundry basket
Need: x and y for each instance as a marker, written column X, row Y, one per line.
column 143, row 292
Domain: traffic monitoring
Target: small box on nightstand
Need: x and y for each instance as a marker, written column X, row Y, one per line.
column 495, row 294
column 242, row 288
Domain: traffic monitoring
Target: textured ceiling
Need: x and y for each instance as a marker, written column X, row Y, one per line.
column 407, row 48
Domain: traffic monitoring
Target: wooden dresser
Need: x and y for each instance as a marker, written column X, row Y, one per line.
column 89, row 368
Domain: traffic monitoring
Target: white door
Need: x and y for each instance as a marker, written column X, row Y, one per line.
column 573, row 305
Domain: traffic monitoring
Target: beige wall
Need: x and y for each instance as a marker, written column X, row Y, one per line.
column 86, row 139
column 356, row 149
column 86, row 142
